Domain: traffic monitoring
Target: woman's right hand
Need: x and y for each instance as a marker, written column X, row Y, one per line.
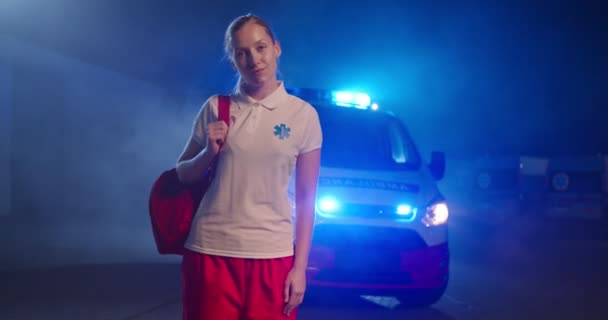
column 217, row 133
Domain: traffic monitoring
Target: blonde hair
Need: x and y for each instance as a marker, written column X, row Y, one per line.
column 233, row 28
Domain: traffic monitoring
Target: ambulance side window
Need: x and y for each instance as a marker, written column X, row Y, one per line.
column 397, row 144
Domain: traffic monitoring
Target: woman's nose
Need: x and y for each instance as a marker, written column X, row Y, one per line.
column 254, row 59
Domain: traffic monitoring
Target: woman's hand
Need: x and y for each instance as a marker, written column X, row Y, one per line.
column 295, row 286
column 217, row 132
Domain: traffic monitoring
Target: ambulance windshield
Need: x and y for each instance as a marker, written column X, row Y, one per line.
column 365, row 140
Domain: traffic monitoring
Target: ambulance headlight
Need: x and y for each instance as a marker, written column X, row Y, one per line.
column 328, row 205
column 436, row 214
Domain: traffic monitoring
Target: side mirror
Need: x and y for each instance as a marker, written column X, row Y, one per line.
column 437, row 165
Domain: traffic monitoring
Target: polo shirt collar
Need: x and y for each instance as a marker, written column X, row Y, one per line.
column 271, row 102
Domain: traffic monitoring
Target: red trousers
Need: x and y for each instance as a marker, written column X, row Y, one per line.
column 224, row 288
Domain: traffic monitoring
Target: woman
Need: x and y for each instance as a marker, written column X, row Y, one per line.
column 243, row 259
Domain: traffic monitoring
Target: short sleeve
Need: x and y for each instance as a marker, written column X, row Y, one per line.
column 313, row 136
column 207, row 114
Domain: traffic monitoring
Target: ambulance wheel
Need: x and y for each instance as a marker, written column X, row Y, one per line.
column 421, row 298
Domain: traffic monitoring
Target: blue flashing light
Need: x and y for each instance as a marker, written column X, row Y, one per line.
column 341, row 98
column 406, row 213
column 404, row 210
column 329, row 205
column 351, row 99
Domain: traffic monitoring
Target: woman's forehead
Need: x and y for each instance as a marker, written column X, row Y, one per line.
column 249, row 35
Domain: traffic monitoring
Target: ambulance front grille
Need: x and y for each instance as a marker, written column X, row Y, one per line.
column 356, row 210
column 366, row 237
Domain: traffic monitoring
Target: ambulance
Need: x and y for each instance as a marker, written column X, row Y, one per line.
column 577, row 188
column 495, row 193
column 381, row 224
column 507, row 187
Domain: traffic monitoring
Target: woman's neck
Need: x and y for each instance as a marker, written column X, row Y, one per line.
column 259, row 93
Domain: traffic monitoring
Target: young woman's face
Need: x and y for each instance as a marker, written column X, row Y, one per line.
column 255, row 55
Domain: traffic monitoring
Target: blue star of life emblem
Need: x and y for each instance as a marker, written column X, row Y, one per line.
column 282, row 131
column 561, row 181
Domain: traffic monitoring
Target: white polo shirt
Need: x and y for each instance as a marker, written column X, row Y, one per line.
column 246, row 211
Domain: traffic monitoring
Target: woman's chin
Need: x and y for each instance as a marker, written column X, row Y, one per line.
column 257, row 82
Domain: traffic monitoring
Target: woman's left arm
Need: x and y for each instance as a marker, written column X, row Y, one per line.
column 307, row 176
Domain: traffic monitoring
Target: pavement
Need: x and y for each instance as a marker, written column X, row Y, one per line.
column 524, row 269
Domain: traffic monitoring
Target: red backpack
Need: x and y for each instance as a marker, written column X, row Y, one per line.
column 172, row 204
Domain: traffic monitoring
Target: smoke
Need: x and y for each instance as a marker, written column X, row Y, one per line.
column 87, row 145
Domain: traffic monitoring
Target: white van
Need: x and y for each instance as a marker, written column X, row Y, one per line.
column 381, row 224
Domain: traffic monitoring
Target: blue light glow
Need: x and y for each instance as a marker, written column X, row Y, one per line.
column 406, row 213
column 404, row 210
column 329, row 204
column 351, row 99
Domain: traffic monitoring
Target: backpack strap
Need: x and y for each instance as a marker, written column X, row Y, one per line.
column 224, row 109
column 223, row 115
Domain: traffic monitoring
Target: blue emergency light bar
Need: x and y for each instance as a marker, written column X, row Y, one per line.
column 357, row 100
column 351, row 99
